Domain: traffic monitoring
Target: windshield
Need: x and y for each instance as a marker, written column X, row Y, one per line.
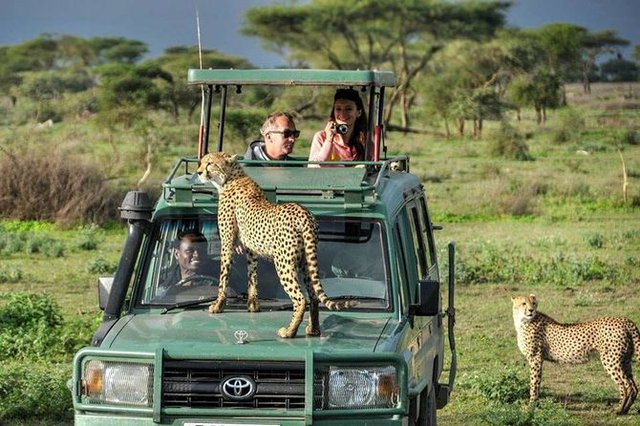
column 183, row 265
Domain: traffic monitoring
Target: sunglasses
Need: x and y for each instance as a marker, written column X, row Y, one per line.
column 287, row 133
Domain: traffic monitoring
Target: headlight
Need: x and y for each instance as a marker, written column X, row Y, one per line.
column 107, row 382
column 369, row 387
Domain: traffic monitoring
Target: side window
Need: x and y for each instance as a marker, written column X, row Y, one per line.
column 401, row 266
column 428, row 236
column 403, row 232
column 418, row 234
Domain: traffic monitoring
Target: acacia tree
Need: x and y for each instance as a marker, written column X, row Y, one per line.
column 176, row 60
column 370, row 34
column 595, row 45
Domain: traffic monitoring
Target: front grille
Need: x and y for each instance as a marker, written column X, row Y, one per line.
column 197, row 384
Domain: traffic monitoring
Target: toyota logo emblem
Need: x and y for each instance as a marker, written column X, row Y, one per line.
column 238, row 388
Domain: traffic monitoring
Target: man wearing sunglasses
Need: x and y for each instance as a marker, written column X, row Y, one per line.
column 279, row 134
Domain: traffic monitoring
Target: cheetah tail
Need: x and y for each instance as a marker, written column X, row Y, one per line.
column 310, row 239
column 635, row 337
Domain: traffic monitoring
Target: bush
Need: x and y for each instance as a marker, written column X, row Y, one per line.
column 100, row 266
column 36, row 390
column 30, row 326
column 570, row 127
column 30, row 242
column 507, row 142
column 54, row 187
column 89, row 237
column 595, row 240
column 629, row 137
column 10, row 275
column 503, row 387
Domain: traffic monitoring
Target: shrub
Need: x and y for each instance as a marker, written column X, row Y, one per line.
column 30, row 326
column 595, row 240
column 100, row 266
column 35, row 390
column 503, row 387
column 570, row 127
column 30, row 242
column 33, row 329
column 507, row 142
column 89, row 237
column 54, row 187
column 45, row 245
column 10, row 274
column 628, row 137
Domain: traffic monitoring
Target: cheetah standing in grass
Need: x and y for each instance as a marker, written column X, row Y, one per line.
column 286, row 233
column 541, row 338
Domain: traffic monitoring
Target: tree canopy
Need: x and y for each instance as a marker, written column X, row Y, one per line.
column 367, row 34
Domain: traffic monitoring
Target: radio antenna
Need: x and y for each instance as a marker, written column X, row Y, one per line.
column 201, row 130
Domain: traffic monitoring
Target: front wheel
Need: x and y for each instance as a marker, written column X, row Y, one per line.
column 426, row 414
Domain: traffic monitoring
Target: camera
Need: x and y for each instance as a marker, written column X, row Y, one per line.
column 342, row 128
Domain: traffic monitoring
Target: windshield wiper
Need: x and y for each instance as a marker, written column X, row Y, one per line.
column 359, row 298
column 187, row 304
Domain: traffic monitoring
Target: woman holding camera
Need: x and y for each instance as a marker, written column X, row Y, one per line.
column 344, row 136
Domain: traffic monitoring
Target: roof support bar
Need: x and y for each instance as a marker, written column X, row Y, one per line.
column 204, row 142
column 223, row 112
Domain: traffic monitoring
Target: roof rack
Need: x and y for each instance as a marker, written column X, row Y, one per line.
column 218, row 81
column 354, row 185
column 292, row 77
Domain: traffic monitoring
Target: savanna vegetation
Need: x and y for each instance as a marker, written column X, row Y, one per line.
column 527, row 141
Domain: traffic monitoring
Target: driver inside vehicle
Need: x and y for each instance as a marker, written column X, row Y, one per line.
column 190, row 251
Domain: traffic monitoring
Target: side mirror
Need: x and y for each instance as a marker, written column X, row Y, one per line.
column 104, row 289
column 428, row 303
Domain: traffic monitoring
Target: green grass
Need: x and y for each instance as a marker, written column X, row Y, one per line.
column 556, row 226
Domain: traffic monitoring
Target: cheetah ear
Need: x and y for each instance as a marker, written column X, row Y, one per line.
column 533, row 297
column 233, row 158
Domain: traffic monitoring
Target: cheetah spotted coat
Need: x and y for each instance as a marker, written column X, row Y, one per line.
column 540, row 338
column 286, row 234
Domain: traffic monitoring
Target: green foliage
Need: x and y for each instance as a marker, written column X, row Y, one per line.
column 543, row 414
column 101, row 266
column 246, row 123
column 33, row 328
column 571, row 124
column 30, row 326
column 628, row 137
column 507, row 142
column 10, row 274
column 488, row 263
column 30, row 243
column 506, row 386
column 619, row 69
column 595, row 240
column 35, row 390
column 89, row 237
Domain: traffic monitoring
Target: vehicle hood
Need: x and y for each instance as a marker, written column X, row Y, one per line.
column 198, row 333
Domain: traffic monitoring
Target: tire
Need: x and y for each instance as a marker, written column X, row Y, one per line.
column 426, row 416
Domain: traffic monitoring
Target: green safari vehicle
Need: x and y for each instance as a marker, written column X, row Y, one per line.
column 160, row 358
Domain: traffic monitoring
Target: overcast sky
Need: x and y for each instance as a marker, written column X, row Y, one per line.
column 165, row 23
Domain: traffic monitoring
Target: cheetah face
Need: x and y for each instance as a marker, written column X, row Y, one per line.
column 524, row 307
column 215, row 168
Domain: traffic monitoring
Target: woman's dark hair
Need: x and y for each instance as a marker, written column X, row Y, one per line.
column 359, row 135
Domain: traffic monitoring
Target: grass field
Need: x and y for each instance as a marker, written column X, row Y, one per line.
column 557, row 226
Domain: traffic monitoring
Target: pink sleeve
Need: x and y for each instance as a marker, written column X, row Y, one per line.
column 317, row 153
